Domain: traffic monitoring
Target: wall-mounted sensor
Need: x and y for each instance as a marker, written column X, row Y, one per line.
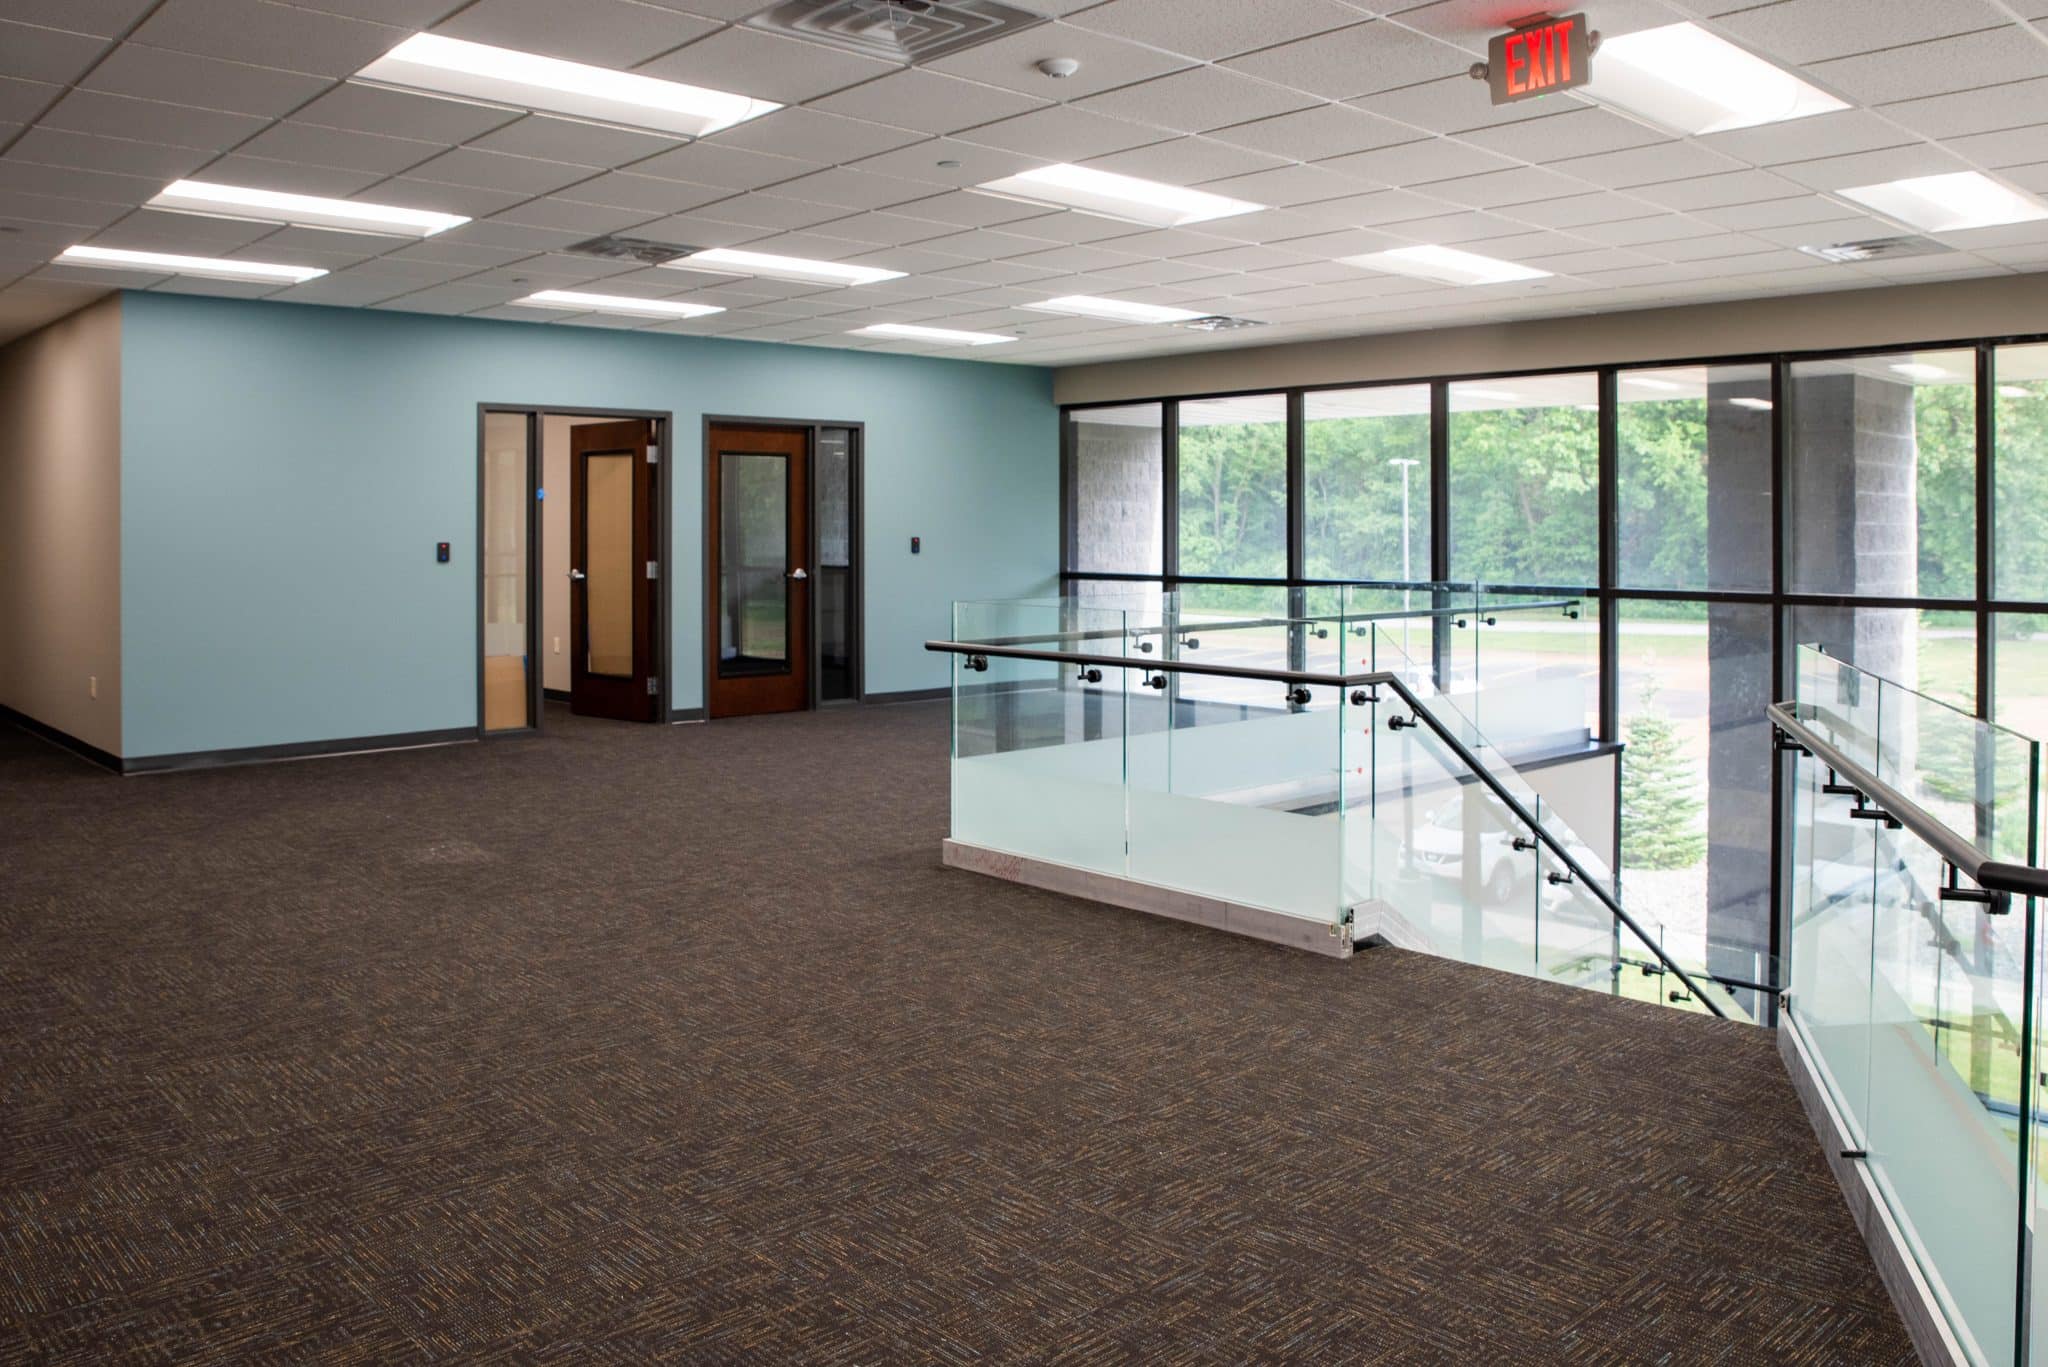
column 1059, row 68
column 916, row 544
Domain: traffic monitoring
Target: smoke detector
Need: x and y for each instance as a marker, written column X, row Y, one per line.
column 1059, row 68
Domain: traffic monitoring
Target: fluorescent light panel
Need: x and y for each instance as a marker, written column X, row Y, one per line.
column 1950, row 203
column 304, row 211
column 730, row 261
column 1116, row 310
column 1446, row 265
column 210, row 267
column 429, row 64
column 1125, row 198
column 1693, row 82
column 910, row 332
column 617, row 303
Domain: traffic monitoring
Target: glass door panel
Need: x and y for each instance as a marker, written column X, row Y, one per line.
column 755, row 566
column 608, row 523
column 507, row 653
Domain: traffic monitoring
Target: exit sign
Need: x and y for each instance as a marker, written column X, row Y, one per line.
column 1540, row 59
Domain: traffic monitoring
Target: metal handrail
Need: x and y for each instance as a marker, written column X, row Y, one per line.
column 1250, row 623
column 1962, row 854
column 1372, row 679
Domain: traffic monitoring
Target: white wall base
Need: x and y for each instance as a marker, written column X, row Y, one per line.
column 1295, row 932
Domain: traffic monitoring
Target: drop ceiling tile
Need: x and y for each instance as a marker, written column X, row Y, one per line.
column 1066, row 227
column 1285, row 186
column 1575, row 130
column 56, row 147
column 54, row 56
column 889, row 230
column 318, row 247
column 22, row 101
column 572, row 216
column 613, row 33
column 496, row 171
column 152, row 230
column 1706, row 192
column 1012, row 62
column 344, row 290
column 183, row 78
column 1845, row 227
column 766, row 66
column 117, row 116
column 1456, row 104
column 1452, row 229
column 266, row 34
column 1472, row 23
column 2013, row 105
column 1942, row 67
column 969, row 163
column 568, row 140
column 927, row 101
column 1062, row 134
column 1825, row 135
column 1370, row 210
column 1332, row 246
column 1518, row 185
column 1196, row 100
column 104, row 18
column 853, row 189
column 1416, row 163
column 735, row 168
column 1352, row 62
column 321, row 146
column 2009, row 147
column 986, row 244
column 1869, row 168
column 1802, row 32
column 1577, row 210
column 767, row 211
column 1774, row 213
column 968, row 210
column 699, row 230
column 396, row 114
column 472, row 201
column 439, row 250
column 1212, row 32
column 1186, row 161
column 816, row 137
column 1633, row 232
column 416, row 14
column 1654, row 164
column 292, row 177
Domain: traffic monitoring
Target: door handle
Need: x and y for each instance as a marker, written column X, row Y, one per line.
column 798, row 573
column 578, row 574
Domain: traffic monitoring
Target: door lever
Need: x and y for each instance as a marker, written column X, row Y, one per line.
column 578, row 574
column 798, row 573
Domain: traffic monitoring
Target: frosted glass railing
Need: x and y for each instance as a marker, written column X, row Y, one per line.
column 1911, row 985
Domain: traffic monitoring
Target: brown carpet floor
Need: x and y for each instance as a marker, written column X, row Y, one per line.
column 633, row 1045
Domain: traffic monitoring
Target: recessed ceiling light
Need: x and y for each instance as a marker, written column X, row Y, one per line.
column 1128, row 199
column 304, row 211
column 1445, row 264
column 727, row 261
column 1691, row 81
column 1950, row 203
column 210, row 267
column 912, row 333
column 1116, row 310
column 1920, row 370
column 432, row 65
column 617, row 303
column 1759, row 405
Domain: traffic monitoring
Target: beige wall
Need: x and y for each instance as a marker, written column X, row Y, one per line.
column 60, row 525
column 1954, row 310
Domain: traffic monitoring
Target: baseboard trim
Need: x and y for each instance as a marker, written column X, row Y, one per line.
column 1274, row 927
column 315, row 749
column 555, row 694
column 62, row 740
column 909, row 695
column 1911, row 1295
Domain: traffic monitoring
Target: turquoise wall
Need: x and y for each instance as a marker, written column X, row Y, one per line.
column 287, row 469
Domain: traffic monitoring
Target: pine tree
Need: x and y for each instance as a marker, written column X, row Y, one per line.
column 1660, row 811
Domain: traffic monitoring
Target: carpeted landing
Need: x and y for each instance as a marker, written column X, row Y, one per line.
column 624, row 1044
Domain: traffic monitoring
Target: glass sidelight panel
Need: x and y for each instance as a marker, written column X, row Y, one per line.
column 834, row 560
column 508, row 692
column 753, row 491
column 608, row 528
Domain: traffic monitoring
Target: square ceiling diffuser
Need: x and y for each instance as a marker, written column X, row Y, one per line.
column 897, row 30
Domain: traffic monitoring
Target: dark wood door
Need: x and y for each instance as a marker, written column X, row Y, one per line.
column 758, row 608
column 613, row 588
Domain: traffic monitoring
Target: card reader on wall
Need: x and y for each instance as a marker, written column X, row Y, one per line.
column 441, row 552
column 916, row 545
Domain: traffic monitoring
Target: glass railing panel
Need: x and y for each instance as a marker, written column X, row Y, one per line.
column 1831, row 878
column 1978, row 779
column 1578, row 941
column 1943, row 1128
column 1501, row 762
column 1839, row 702
column 1237, row 797
column 1538, row 678
column 1038, row 746
column 1241, row 626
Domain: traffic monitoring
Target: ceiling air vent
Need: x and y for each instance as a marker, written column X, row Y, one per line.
column 1221, row 322
column 644, row 250
column 897, row 30
column 1877, row 249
